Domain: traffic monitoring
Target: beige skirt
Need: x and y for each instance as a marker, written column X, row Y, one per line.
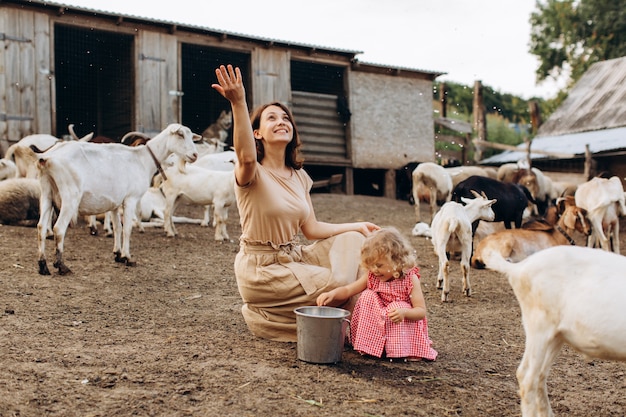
column 273, row 282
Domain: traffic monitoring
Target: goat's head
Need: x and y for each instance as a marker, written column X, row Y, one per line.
column 575, row 218
column 181, row 142
column 481, row 204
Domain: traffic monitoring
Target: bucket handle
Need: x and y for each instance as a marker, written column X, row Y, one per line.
column 347, row 329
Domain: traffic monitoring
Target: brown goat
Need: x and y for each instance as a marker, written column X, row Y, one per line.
column 517, row 244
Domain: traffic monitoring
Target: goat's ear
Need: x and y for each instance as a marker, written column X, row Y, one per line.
column 177, row 129
column 492, row 202
column 569, row 219
column 196, row 137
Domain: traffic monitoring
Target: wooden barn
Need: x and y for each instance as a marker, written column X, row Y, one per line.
column 590, row 122
column 111, row 74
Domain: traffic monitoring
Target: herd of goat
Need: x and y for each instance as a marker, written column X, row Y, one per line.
column 53, row 182
column 567, row 293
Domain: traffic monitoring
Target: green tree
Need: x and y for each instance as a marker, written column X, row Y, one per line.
column 569, row 35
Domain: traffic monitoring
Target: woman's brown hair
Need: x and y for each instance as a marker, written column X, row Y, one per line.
column 293, row 158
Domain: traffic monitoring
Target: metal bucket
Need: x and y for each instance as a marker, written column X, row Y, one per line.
column 321, row 333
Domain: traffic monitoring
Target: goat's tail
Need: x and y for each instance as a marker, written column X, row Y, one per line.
column 453, row 225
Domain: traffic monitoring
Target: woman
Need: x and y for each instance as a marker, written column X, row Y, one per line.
column 275, row 273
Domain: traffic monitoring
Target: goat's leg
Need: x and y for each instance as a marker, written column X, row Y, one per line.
column 137, row 221
column 220, row 215
column 107, row 224
column 92, row 224
column 45, row 217
column 540, row 352
column 416, row 202
column 598, row 235
column 443, row 282
column 59, row 230
column 615, row 238
column 207, row 217
column 466, row 239
column 168, row 215
column 127, row 228
column 440, row 251
column 117, row 236
column 433, row 203
column 444, row 269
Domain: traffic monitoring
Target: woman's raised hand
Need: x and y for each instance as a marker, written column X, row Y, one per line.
column 230, row 83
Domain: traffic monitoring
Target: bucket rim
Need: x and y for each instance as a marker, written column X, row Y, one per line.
column 342, row 313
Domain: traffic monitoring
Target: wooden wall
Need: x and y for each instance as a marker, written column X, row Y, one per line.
column 25, row 75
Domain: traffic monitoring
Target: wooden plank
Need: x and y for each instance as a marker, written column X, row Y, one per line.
column 4, row 17
column 333, row 180
column 26, row 87
column 44, row 82
column 13, row 68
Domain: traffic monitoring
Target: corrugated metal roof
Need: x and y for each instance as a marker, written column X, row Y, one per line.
column 400, row 68
column 599, row 141
column 594, row 114
column 195, row 27
column 597, row 101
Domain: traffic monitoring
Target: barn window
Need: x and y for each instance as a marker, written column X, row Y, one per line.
column 94, row 81
column 201, row 104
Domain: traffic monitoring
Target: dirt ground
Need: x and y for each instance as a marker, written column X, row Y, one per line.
column 166, row 338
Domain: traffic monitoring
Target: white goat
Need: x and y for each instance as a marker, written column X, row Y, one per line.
column 219, row 161
column 202, row 187
column 460, row 173
column 23, row 156
column 437, row 180
column 19, row 201
column 454, row 222
column 7, row 169
column 540, row 187
column 84, row 178
column 567, row 294
column 150, row 212
column 604, row 201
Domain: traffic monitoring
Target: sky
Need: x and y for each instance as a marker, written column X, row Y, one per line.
column 468, row 40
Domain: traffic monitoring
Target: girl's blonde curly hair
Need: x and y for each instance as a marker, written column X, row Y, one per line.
column 388, row 243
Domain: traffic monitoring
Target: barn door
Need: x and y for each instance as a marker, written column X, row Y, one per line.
column 158, row 101
column 270, row 77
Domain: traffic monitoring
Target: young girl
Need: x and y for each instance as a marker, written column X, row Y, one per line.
column 389, row 318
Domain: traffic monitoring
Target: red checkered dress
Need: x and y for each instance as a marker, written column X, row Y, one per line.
column 373, row 333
